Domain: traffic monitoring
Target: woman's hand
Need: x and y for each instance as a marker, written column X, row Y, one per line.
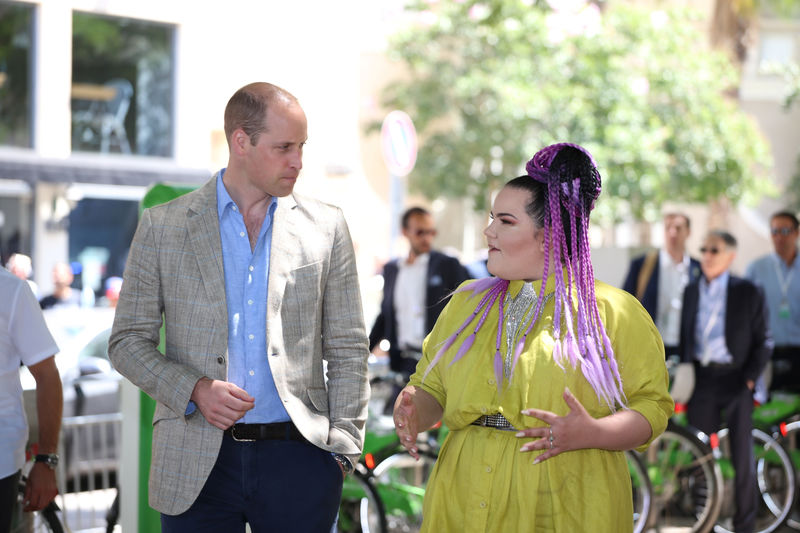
column 562, row 433
column 405, row 422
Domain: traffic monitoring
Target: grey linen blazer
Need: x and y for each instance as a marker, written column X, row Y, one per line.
column 314, row 314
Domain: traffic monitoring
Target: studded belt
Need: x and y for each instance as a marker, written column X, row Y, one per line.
column 496, row 421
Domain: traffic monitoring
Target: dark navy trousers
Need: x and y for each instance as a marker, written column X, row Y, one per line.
column 723, row 391
column 274, row 485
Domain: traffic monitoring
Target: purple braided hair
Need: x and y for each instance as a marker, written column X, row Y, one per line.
column 572, row 185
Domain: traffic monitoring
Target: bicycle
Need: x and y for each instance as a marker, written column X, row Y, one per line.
column 691, row 475
column 781, row 417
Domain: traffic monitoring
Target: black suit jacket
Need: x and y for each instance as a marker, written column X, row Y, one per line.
column 650, row 298
column 445, row 274
column 747, row 333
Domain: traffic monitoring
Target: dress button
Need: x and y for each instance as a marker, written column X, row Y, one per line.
column 490, row 382
column 241, row 234
column 488, row 469
column 483, row 505
column 251, row 268
column 252, row 373
column 483, row 410
column 220, row 359
column 251, row 336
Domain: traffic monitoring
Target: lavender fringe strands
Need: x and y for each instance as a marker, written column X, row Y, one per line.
column 584, row 341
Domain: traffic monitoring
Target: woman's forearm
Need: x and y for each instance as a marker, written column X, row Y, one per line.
column 623, row 430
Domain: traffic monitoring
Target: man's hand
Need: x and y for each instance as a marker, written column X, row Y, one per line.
column 221, row 402
column 40, row 488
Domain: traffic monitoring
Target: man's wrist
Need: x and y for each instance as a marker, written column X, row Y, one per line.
column 344, row 462
column 49, row 459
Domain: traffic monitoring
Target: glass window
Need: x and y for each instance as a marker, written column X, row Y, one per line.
column 122, row 86
column 16, row 46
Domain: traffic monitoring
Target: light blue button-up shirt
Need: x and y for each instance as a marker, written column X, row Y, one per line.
column 246, row 283
column 781, row 284
column 709, row 331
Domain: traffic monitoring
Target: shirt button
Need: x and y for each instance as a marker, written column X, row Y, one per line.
column 490, row 382
column 483, row 505
column 483, row 410
column 249, row 302
column 220, row 359
column 251, row 336
column 251, row 268
column 252, row 372
column 488, row 469
column 241, row 234
column 234, row 208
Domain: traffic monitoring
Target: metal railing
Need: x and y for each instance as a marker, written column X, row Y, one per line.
column 87, row 474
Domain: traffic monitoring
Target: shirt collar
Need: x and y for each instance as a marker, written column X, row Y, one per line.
column 666, row 259
column 224, row 199
column 714, row 286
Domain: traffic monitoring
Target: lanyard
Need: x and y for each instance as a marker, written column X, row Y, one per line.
column 784, row 283
column 709, row 325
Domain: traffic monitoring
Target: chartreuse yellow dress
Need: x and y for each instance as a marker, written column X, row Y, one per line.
column 482, row 482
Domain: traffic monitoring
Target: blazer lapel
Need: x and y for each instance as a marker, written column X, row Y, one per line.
column 203, row 228
column 284, row 243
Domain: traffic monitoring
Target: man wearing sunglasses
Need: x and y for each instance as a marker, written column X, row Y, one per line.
column 415, row 290
column 778, row 274
column 724, row 334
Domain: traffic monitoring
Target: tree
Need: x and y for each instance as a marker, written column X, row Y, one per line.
column 490, row 82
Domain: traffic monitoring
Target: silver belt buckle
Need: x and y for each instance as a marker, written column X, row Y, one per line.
column 237, row 439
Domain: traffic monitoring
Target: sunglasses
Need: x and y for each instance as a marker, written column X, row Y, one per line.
column 423, row 232
column 782, row 231
column 713, row 250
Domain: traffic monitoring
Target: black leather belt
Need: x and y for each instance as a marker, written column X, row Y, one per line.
column 496, row 421
column 275, row 431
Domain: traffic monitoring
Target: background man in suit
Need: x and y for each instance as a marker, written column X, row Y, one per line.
column 778, row 274
column 724, row 333
column 658, row 278
column 257, row 287
column 415, row 291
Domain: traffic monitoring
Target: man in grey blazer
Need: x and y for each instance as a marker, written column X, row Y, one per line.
column 262, row 392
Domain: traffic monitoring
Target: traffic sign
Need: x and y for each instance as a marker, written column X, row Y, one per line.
column 399, row 143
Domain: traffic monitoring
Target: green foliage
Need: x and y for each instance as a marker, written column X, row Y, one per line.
column 488, row 85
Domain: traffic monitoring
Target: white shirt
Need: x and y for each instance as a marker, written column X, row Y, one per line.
column 24, row 338
column 672, row 280
column 409, row 301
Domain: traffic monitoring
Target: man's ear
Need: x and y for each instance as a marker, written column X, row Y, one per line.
column 239, row 141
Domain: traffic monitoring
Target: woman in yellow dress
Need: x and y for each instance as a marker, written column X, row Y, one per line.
column 543, row 375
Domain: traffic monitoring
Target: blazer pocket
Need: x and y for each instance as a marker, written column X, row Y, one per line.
column 319, row 399
column 163, row 412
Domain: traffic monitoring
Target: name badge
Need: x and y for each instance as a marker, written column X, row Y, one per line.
column 784, row 311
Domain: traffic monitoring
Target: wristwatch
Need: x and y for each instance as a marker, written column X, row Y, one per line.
column 50, row 459
column 344, row 462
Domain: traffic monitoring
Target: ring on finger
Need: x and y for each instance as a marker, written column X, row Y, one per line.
column 551, row 437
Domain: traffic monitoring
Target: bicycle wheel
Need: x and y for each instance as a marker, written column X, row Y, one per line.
column 789, row 440
column 686, row 480
column 400, row 480
column 776, row 482
column 642, row 491
column 361, row 509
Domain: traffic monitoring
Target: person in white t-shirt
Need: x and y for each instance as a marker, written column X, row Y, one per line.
column 25, row 340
